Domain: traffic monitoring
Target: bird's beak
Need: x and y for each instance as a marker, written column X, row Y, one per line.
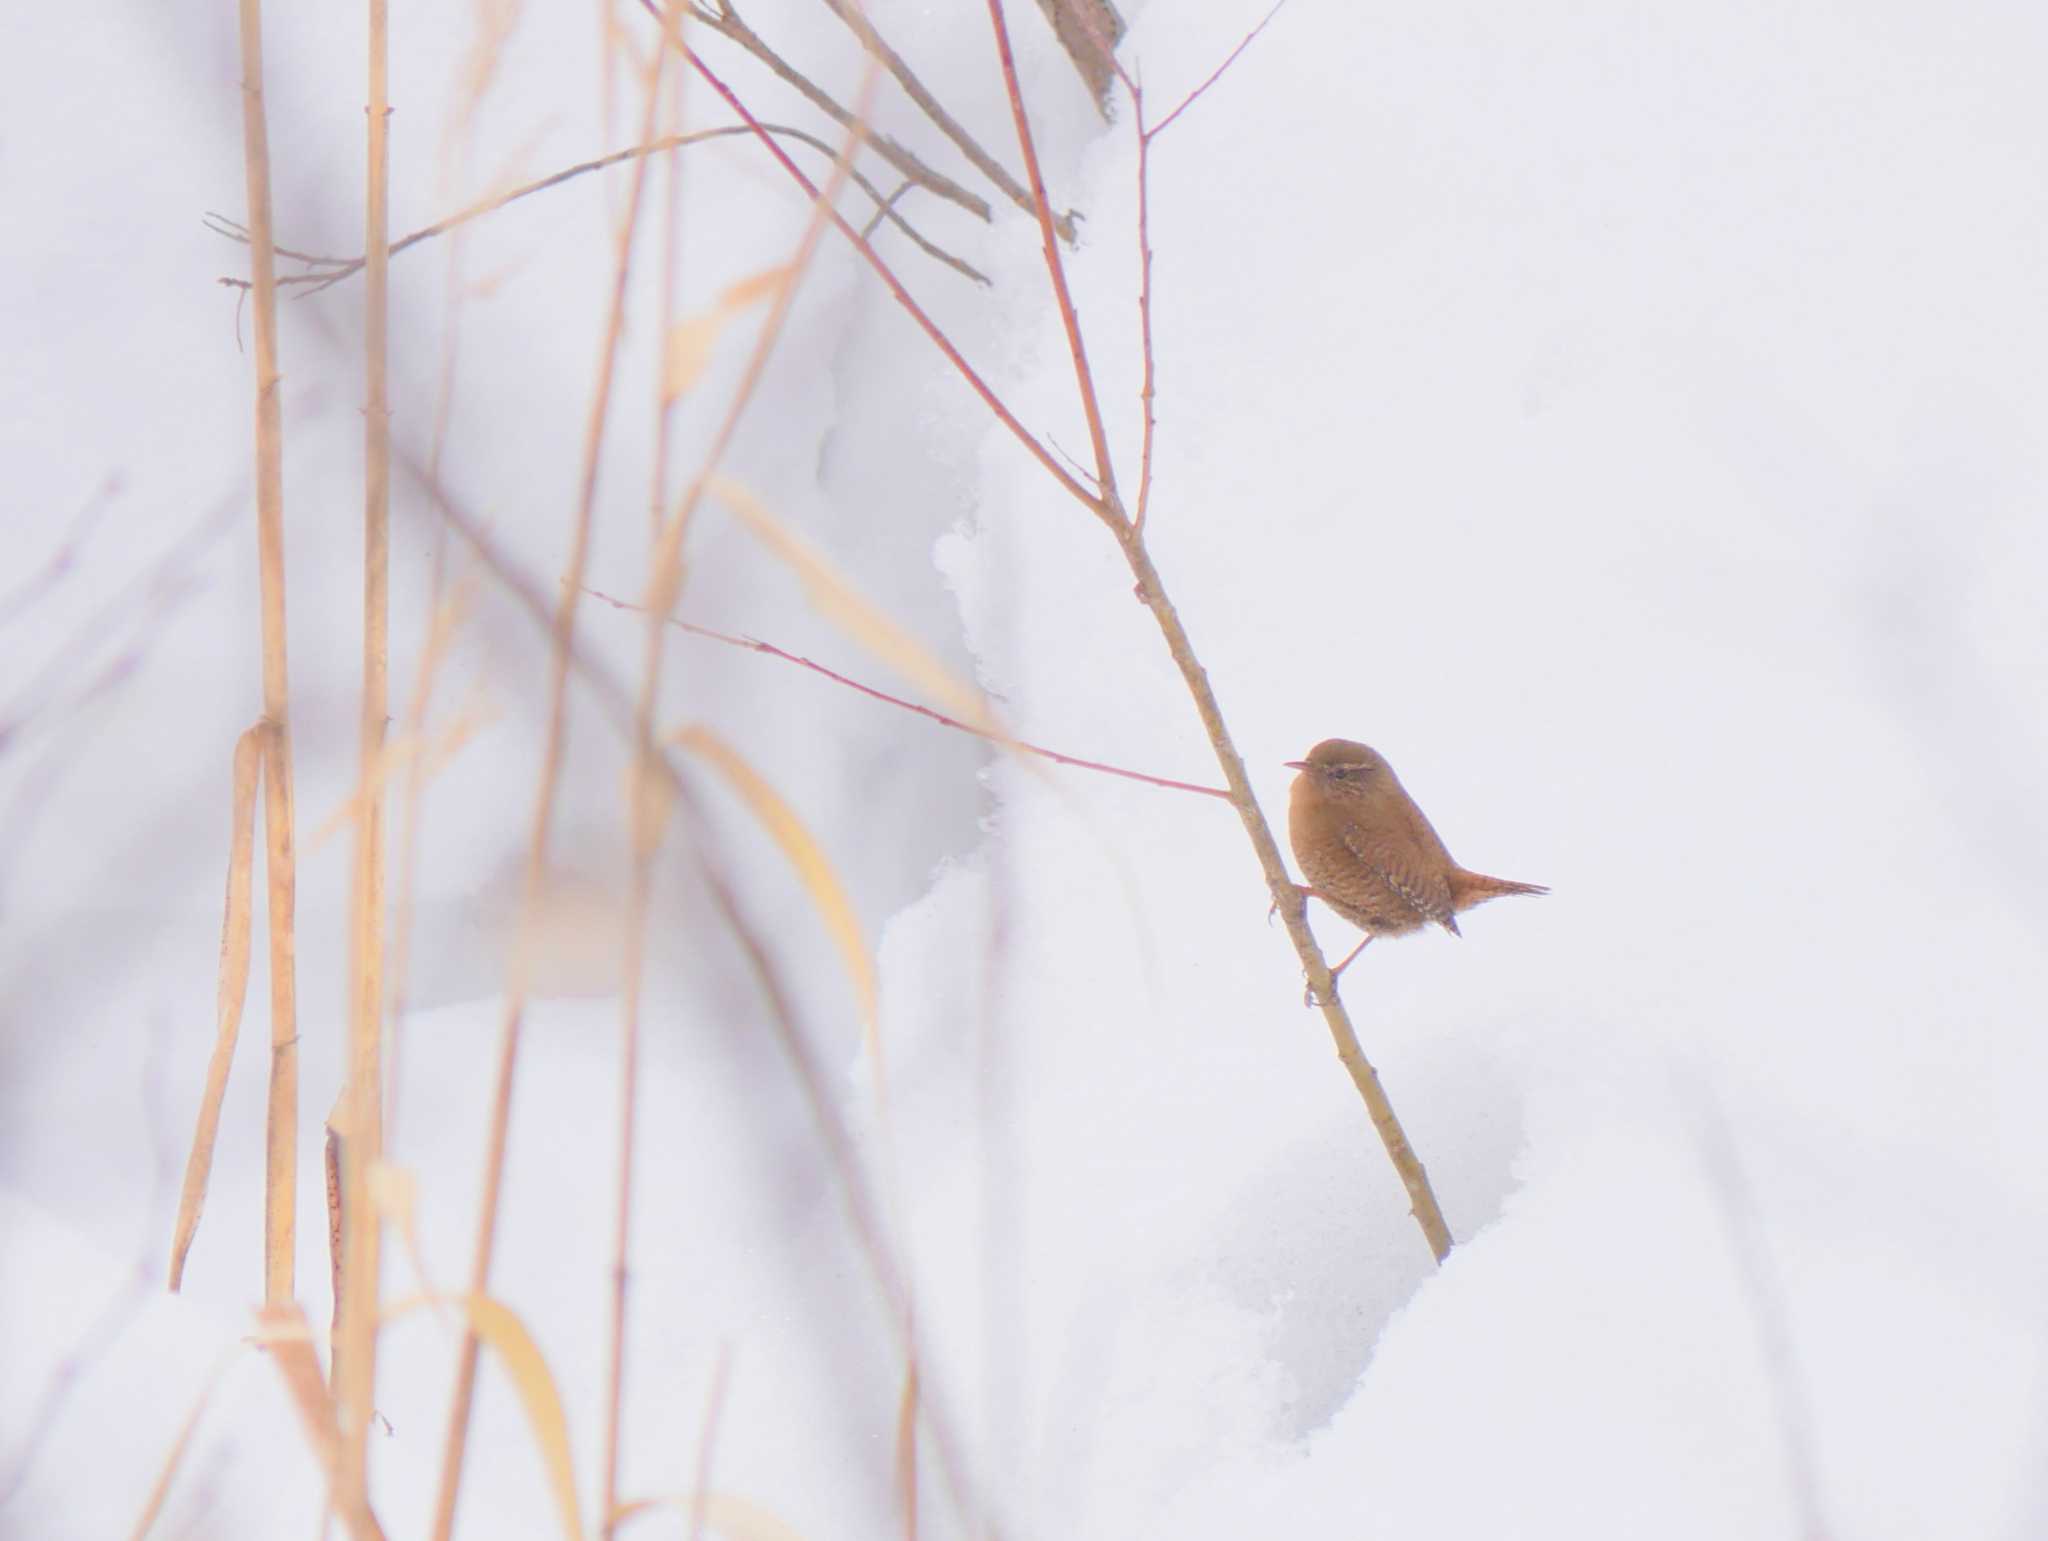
column 1299, row 765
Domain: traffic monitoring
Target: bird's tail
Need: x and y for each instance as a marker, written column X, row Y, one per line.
column 1470, row 888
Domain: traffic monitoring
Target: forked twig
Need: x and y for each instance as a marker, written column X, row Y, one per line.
column 1105, row 505
column 888, row 276
column 1214, row 75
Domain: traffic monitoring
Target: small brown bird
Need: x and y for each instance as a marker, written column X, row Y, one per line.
column 1368, row 852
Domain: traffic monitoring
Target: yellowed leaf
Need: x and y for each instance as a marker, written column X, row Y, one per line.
column 501, row 1330
column 650, row 799
column 756, row 286
column 692, row 340
column 230, row 995
column 734, row 1519
column 393, row 757
column 813, row 867
column 853, row 613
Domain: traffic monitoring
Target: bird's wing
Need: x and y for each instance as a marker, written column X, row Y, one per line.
column 1410, row 877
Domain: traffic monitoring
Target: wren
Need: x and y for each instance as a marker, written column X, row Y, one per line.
column 1368, row 852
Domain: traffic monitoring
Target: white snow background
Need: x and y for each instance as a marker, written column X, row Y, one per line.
column 1627, row 419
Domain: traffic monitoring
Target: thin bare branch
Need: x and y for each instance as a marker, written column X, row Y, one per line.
column 1214, row 75
column 1293, row 907
column 53, row 571
column 1108, row 508
column 754, row 645
column 335, row 269
column 1287, row 897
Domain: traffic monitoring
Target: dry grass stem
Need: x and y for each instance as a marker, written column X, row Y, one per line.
column 281, row 1167
column 230, row 994
column 779, row 288
column 842, row 1157
column 283, row 1332
column 646, row 824
column 707, row 1439
column 355, row 1348
column 181, row 1446
column 906, row 1453
column 563, row 632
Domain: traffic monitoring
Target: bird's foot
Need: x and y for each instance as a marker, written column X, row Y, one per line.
column 1306, row 895
column 1308, row 991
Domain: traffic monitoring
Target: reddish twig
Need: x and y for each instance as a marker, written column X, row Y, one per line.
column 755, row 645
column 1146, row 390
column 1215, row 74
column 1106, row 506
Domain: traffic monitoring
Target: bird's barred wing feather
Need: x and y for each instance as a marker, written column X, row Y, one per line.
column 1406, row 875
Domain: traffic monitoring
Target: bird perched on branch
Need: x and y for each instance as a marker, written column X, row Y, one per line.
column 1368, row 852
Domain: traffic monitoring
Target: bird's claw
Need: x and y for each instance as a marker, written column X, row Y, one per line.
column 1274, row 908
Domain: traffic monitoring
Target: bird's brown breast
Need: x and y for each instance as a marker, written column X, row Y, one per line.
column 1374, row 859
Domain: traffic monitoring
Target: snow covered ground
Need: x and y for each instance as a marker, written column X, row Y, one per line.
column 1627, row 421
